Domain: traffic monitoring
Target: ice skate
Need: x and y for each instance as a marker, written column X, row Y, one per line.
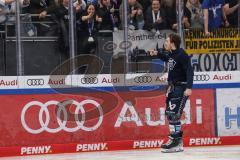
column 173, row 145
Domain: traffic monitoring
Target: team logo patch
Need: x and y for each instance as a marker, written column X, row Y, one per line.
column 171, row 64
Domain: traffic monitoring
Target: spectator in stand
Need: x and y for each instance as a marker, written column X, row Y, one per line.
column 195, row 7
column 117, row 3
column 214, row 15
column 106, row 12
column 231, row 8
column 62, row 17
column 87, row 32
column 42, row 7
column 170, row 8
column 155, row 17
column 80, row 5
column 7, row 14
column 135, row 15
column 145, row 4
column 8, row 7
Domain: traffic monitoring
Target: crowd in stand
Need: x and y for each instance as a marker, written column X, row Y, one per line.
column 152, row 15
column 142, row 14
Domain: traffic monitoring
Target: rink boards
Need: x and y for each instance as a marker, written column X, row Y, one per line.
column 112, row 112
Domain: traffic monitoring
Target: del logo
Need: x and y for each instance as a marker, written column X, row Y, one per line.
column 91, row 147
column 204, row 141
column 36, row 150
column 147, row 144
column 8, row 83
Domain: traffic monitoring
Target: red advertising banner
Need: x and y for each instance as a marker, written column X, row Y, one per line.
column 40, row 119
column 112, row 145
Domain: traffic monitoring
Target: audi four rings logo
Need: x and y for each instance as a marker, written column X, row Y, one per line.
column 89, row 80
column 44, row 116
column 143, row 79
column 201, row 77
column 35, row 82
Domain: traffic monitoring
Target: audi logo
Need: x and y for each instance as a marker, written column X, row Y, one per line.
column 44, row 116
column 201, row 77
column 143, row 79
column 89, row 80
column 35, row 82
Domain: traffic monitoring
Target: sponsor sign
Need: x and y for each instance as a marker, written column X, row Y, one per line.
column 62, row 124
column 228, row 112
column 140, row 39
column 36, row 150
column 91, row 147
column 216, row 62
column 113, row 145
column 102, row 80
column 7, row 82
column 147, row 144
column 216, row 77
column 146, row 79
column 107, row 80
column 37, row 119
column 204, row 141
column 59, row 81
column 224, row 40
column 44, row 81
